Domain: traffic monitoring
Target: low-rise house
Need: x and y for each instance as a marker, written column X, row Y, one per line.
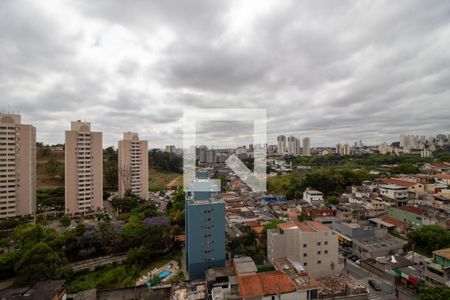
column 443, row 177
column 350, row 211
column 313, row 197
column 307, row 287
column 374, row 208
column 319, row 212
column 367, row 239
column 361, row 191
column 417, row 188
column 394, row 192
column 266, row 285
column 437, row 269
column 412, row 216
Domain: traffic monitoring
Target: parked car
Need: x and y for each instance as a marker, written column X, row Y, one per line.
column 375, row 285
column 354, row 257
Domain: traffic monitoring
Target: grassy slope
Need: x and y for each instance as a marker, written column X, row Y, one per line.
column 158, row 180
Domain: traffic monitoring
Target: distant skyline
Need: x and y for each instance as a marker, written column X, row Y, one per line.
column 335, row 71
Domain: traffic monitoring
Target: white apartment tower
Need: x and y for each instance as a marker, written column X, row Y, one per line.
column 133, row 165
column 17, row 167
column 293, row 145
column 306, row 147
column 83, row 169
column 281, row 139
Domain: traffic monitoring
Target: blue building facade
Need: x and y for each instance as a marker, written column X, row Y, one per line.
column 273, row 198
column 205, row 227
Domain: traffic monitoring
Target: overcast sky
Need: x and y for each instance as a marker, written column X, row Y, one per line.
column 337, row 71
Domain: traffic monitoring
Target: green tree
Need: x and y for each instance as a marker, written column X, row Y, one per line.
column 7, row 264
column 429, row 238
column 65, row 220
column 38, row 263
column 110, row 169
column 54, row 168
column 440, row 292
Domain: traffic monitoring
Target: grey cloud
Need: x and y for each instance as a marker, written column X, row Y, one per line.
column 334, row 71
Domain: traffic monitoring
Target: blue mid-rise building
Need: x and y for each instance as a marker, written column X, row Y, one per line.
column 205, row 226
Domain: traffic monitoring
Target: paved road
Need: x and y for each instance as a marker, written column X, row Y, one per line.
column 387, row 288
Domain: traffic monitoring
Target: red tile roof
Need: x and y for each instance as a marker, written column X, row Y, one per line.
column 393, row 221
column 253, row 223
column 398, row 181
column 442, row 176
column 414, row 210
column 258, row 229
column 265, row 284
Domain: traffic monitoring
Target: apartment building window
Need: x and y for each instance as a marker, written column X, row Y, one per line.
column 318, row 243
column 304, row 245
column 305, row 255
column 326, row 251
column 325, row 243
column 319, row 262
column 318, row 252
column 305, row 264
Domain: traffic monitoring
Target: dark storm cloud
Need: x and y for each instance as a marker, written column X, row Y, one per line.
column 336, row 71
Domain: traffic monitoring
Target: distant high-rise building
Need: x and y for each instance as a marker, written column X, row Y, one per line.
column 133, row 165
column 293, row 145
column 83, row 169
column 17, row 166
column 202, row 153
column 306, row 147
column 171, row 149
column 338, row 148
column 403, row 141
column 281, row 139
column 210, row 156
column 205, row 226
column 346, row 149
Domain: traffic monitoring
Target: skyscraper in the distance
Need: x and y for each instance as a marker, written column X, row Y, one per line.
column 17, row 167
column 306, row 147
column 133, row 165
column 83, row 169
column 281, row 149
column 293, row 145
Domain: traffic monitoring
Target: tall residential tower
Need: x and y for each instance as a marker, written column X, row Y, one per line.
column 133, row 166
column 281, row 139
column 306, row 147
column 17, row 167
column 83, row 169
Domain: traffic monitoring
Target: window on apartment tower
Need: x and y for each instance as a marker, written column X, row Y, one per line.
column 319, row 262
column 304, row 245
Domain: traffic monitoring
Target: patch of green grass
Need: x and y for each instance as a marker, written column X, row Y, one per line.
column 159, row 180
column 278, row 184
column 108, row 277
